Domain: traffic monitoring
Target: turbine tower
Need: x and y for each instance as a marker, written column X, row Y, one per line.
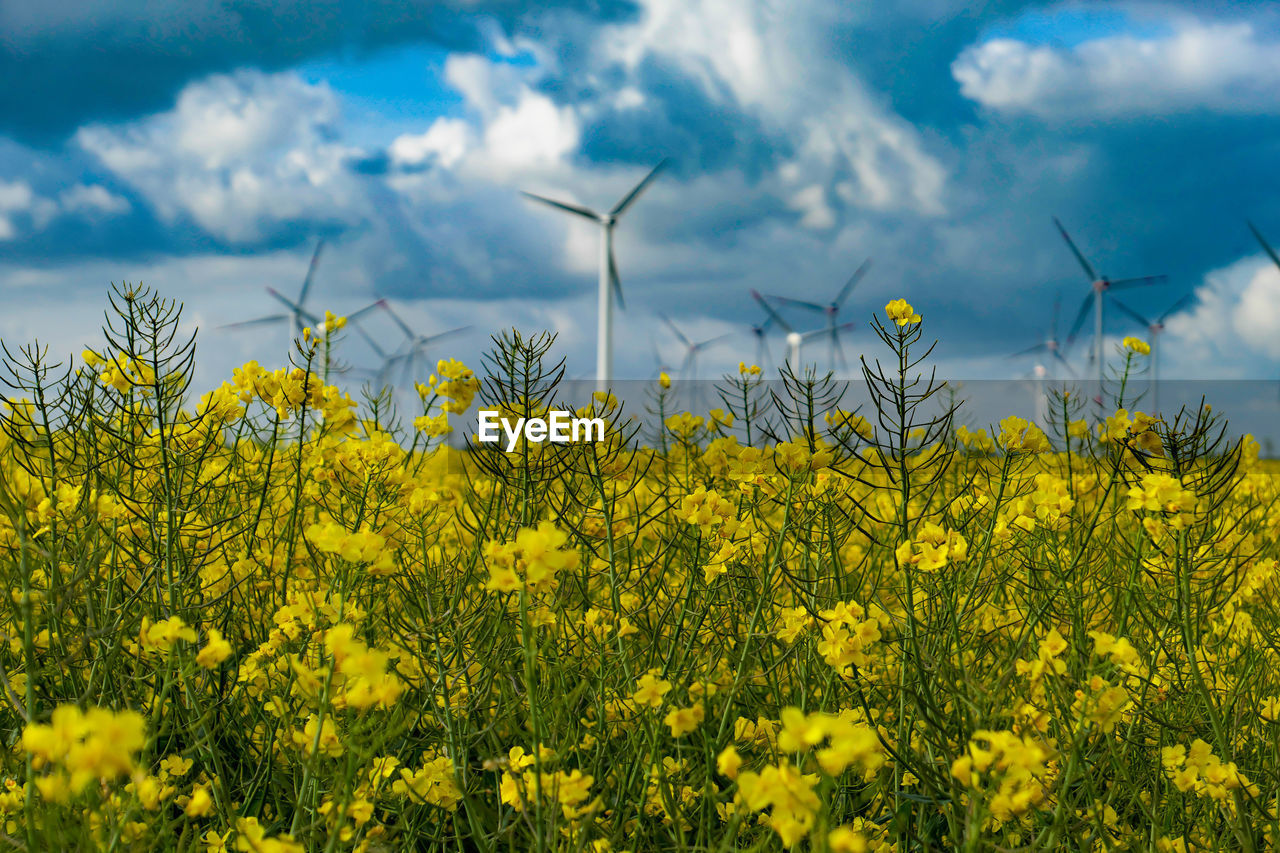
column 610, row 284
column 1154, row 329
column 1099, row 286
column 832, row 312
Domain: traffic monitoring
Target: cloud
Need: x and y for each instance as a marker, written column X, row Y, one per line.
column 757, row 66
column 1233, row 328
column 247, row 157
column 111, row 60
column 1216, row 66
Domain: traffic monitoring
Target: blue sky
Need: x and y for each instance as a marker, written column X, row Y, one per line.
column 204, row 147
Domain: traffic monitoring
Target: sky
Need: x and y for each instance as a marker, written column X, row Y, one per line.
column 204, row 147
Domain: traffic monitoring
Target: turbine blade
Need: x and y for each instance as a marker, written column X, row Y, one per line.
column 356, row 315
column 395, row 318
column 368, row 338
column 1177, row 306
column 620, row 207
column 1028, row 351
column 1134, row 314
column 1088, row 269
column 440, row 336
column 311, row 273
column 1065, row 363
column 852, row 283
column 672, row 326
column 1266, row 247
column 1141, row 281
column 1057, row 309
column 584, row 212
column 710, row 341
column 773, row 315
column 799, row 303
column 284, row 299
column 261, row 321
column 1080, row 316
column 614, row 280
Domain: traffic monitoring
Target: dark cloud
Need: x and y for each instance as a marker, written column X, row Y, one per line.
column 67, row 62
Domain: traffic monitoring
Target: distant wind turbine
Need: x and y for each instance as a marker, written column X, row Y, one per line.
column 413, row 351
column 1099, row 286
column 298, row 316
column 1050, row 343
column 832, row 312
column 1154, row 329
column 796, row 340
column 689, row 367
column 610, row 283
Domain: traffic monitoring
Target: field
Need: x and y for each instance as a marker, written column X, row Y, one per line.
column 264, row 619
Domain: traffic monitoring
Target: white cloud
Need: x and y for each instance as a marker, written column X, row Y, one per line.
column 532, row 134
column 244, row 156
column 1225, row 67
column 1233, row 325
column 446, row 142
column 764, row 57
column 20, row 203
column 92, row 199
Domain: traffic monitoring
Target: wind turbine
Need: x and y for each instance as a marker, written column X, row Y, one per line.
column 832, row 312
column 1154, row 329
column 298, row 315
column 797, row 340
column 610, row 284
column 689, row 367
column 1050, row 343
column 1099, row 286
column 414, row 349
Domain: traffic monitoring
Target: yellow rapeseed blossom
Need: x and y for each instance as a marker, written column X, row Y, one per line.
column 901, row 313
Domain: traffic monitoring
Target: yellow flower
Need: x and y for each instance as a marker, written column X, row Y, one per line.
column 901, row 313
column 215, row 651
column 651, row 690
column 728, row 762
column 684, row 720
column 664, row 380
column 200, row 803
column 1137, row 345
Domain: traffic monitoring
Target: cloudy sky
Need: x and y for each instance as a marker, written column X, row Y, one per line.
column 204, row 147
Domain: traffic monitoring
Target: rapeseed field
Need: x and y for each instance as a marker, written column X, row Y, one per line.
column 268, row 618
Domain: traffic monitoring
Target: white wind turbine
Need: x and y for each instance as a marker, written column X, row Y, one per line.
column 689, row 367
column 796, row 340
column 298, row 315
column 610, row 284
column 414, row 350
column 1099, row 286
column 832, row 312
